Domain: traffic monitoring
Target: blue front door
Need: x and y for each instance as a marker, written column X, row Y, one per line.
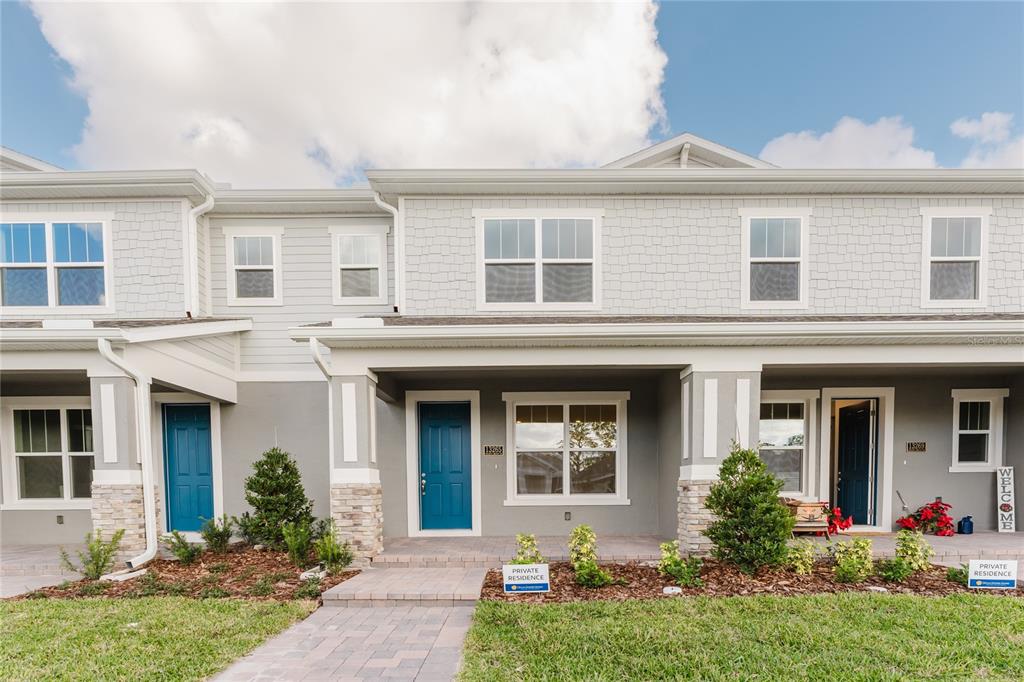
column 445, row 484
column 854, row 493
column 189, row 466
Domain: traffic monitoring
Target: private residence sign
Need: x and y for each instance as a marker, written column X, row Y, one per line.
column 1005, row 504
column 525, row 578
column 992, row 575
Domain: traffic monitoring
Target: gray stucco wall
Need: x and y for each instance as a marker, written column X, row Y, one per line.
column 681, row 255
column 669, row 452
column 923, row 411
column 639, row 517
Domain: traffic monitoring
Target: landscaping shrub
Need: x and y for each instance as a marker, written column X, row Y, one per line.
column 275, row 493
column 334, row 555
column 752, row 526
column 852, row 560
column 801, row 557
column 297, row 538
column 181, row 548
column 931, row 518
column 686, row 572
column 309, row 589
column 894, row 570
column 582, row 545
column 98, row 556
column 914, row 550
column 589, row 574
column 958, row 575
column 526, row 550
column 217, row 535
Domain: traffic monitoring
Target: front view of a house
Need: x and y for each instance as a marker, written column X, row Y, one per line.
column 491, row 352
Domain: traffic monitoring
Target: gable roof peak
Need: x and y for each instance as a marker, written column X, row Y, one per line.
column 688, row 151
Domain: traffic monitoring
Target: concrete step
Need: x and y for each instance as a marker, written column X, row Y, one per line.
column 456, row 586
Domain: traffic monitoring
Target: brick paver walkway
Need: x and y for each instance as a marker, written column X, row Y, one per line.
column 383, row 642
column 401, row 586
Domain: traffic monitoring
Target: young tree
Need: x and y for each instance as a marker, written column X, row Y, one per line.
column 275, row 493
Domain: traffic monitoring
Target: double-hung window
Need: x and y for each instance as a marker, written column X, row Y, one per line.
column 50, row 453
column 774, row 252
column 953, row 269
column 253, row 266
column 537, row 260
column 977, row 429
column 566, row 448
column 786, row 430
column 359, row 273
column 55, row 265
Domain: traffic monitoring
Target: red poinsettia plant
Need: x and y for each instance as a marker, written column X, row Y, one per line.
column 834, row 516
column 931, row 518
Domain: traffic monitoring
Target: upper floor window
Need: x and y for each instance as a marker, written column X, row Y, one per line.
column 359, row 273
column 978, row 429
column 54, row 264
column 254, row 266
column 774, row 258
column 538, row 260
column 953, row 271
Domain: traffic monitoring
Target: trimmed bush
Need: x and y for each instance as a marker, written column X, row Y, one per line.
column 752, row 527
column 181, row 548
column 298, row 538
column 275, row 493
column 526, row 550
column 801, row 557
column 686, row 572
column 98, row 556
column 217, row 535
column 852, row 560
column 589, row 574
column 335, row 556
column 913, row 549
column 958, row 575
column 582, row 545
column 894, row 570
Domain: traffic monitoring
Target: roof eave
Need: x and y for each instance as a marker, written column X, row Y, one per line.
column 182, row 183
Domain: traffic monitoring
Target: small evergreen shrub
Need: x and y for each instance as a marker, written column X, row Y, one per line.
column 298, row 537
column 213, row 593
column 94, row 589
column 894, row 570
column 275, row 493
column 181, row 548
column 219, row 567
column 914, row 550
column 852, row 560
column 958, row 575
column 589, row 574
column 335, row 556
column 582, row 545
column 686, row 572
column 98, row 556
column 526, row 550
column 801, row 557
column 263, row 587
column 217, row 534
column 309, row 589
column 752, row 526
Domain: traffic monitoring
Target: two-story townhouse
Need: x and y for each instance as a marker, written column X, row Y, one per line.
column 485, row 352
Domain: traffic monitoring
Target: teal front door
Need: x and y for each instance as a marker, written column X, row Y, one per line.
column 188, row 466
column 445, row 486
column 855, row 493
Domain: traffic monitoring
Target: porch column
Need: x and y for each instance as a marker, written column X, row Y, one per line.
column 356, row 496
column 718, row 408
column 117, row 478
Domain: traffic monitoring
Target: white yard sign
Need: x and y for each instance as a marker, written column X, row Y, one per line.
column 525, row 578
column 992, row 575
column 1005, row 511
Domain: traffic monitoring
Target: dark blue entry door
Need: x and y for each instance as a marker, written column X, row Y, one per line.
column 445, row 479
column 855, row 468
column 189, row 466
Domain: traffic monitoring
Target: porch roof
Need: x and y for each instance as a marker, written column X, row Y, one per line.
column 55, row 334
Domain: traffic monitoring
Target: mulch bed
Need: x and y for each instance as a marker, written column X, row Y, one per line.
column 241, row 573
column 720, row 580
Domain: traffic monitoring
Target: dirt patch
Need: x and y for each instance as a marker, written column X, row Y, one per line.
column 643, row 581
column 240, row 573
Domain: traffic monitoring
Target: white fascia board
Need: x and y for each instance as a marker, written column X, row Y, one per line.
column 117, row 335
column 40, row 335
column 345, row 202
column 183, row 182
column 188, row 330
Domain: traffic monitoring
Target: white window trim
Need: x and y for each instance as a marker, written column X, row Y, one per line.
column 803, row 214
column 995, row 397
column 12, row 500
column 927, row 214
column 538, row 215
column 276, row 234
column 380, row 232
column 619, row 398
column 52, row 306
column 809, row 398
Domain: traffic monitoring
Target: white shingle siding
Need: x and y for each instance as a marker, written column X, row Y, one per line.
column 147, row 257
column 682, row 255
column 306, row 286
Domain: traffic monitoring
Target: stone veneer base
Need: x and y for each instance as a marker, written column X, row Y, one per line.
column 120, row 506
column 358, row 513
column 694, row 517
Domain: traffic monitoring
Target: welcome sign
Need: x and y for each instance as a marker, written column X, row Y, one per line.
column 1005, row 512
column 525, row 578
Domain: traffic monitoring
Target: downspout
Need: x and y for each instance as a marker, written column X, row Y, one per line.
column 399, row 244
column 143, row 438
column 193, row 252
column 314, row 348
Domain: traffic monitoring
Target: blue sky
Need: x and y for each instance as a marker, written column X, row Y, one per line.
column 739, row 73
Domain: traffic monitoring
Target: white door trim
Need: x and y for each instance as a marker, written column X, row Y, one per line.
column 157, row 422
column 412, row 457
column 886, row 396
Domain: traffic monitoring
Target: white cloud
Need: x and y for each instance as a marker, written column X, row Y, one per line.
column 852, row 143
column 305, row 94
column 993, row 147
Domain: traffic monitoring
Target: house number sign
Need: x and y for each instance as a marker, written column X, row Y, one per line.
column 1005, row 512
column 494, row 450
column 917, row 446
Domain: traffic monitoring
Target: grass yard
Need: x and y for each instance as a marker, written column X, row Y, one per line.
column 170, row 638
column 844, row 636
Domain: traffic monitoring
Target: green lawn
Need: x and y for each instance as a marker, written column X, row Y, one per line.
column 170, row 638
column 848, row 636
